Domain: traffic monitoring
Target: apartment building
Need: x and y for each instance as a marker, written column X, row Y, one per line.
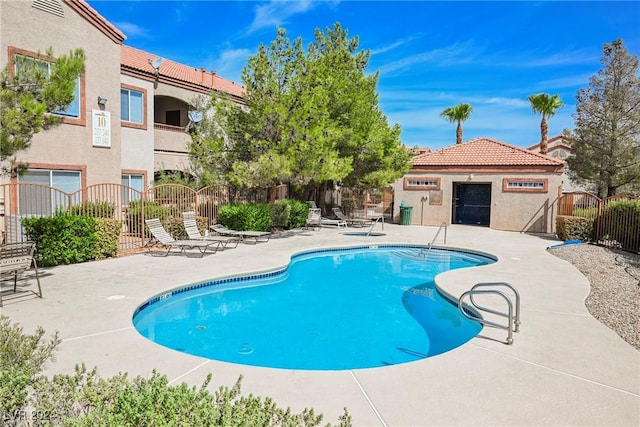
column 130, row 116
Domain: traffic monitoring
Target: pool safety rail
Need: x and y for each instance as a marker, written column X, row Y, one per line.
column 489, row 288
column 442, row 226
column 381, row 219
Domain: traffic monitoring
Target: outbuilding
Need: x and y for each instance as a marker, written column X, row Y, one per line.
column 481, row 182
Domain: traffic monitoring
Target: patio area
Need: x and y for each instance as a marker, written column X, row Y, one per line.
column 564, row 369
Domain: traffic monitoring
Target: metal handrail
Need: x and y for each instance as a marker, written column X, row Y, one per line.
column 380, row 218
column 444, row 224
column 508, row 328
column 516, row 320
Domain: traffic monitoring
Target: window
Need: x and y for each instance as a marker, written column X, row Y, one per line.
column 52, row 192
column 421, row 183
column 21, row 63
column 136, row 182
column 525, row 185
column 132, row 106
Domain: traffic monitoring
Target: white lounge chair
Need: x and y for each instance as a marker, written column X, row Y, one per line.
column 337, row 222
column 191, row 227
column 354, row 222
column 244, row 235
column 161, row 236
column 314, row 218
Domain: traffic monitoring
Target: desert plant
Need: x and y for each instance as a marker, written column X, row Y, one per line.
column 574, row 228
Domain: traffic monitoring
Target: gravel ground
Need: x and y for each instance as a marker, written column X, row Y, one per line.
column 615, row 286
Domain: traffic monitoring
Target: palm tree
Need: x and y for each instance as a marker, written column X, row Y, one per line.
column 459, row 114
column 546, row 105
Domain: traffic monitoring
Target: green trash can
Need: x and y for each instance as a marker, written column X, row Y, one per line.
column 405, row 215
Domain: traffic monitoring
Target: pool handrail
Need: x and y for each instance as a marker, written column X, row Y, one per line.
column 380, row 218
column 442, row 225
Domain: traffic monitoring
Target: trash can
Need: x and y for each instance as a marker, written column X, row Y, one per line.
column 405, row 215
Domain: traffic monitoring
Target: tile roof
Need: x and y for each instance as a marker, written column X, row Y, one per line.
column 556, row 141
column 484, row 152
column 172, row 72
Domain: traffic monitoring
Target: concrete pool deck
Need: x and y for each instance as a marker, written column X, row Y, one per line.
column 564, row 369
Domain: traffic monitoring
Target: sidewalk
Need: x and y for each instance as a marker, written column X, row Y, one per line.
column 564, row 368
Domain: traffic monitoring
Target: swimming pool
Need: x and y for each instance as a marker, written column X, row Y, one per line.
column 335, row 309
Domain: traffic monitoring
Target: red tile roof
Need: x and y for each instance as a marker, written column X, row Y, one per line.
column 483, row 152
column 137, row 62
column 552, row 143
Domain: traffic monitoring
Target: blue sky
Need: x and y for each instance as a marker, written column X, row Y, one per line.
column 430, row 55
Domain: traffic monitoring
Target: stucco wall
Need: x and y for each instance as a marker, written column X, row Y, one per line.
column 25, row 27
column 513, row 211
column 137, row 144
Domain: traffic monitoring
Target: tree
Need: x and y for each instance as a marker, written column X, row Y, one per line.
column 545, row 105
column 606, row 140
column 457, row 114
column 29, row 92
column 308, row 118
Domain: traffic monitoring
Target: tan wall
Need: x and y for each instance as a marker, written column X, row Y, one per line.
column 25, row 27
column 137, row 144
column 512, row 211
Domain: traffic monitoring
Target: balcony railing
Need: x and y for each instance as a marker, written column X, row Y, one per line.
column 170, row 128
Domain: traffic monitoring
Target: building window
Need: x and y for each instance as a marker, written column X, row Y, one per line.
column 24, row 60
column 525, row 185
column 51, row 192
column 421, row 183
column 136, row 185
column 133, row 106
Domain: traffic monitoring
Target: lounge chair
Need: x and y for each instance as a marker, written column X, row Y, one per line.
column 191, row 227
column 161, row 236
column 337, row 222
column 245, row 235
column 314, row 218
column 16, row 258
column 354, row 222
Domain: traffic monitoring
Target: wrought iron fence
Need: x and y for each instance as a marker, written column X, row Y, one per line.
column 616, row 219
column 122, row 203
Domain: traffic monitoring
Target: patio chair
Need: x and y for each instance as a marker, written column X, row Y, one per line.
column 245, row 235
column 337, row 222
column 191, row 227
column 354, row 222
column 17, row 258
column 161, row 236
column 314, row 218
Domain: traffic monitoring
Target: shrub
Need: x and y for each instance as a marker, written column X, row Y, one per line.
column 299, row 213
column 62, row 238
column 255, row 216
column 574, row 228
column 107, row 237
column 84, row 399
column 585, row 212
column 280, row 214
column 152, row 209
column 621, row 222
column 22, row 357
column 94, row 209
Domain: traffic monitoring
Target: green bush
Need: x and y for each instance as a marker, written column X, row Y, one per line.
column 94, row 209
column 574, row 228
column 84, row 399
column 22, row 357
column 107, row 237
column 151, row 210
column 237, row 216
column 299, row 213
column 585, row 212
column 62, row 238
column 621, row 222
column 280, row 214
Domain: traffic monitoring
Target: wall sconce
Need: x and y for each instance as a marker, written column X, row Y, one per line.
column 102, row 100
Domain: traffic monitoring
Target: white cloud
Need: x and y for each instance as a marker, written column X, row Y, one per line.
column 132, row 30
column 276, row 13
column 229, row 63
column 457, row 53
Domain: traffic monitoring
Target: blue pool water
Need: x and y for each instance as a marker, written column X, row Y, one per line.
column 329, row 310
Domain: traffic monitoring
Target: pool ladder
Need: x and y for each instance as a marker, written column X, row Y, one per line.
column 512, row 314
column 380, row 218
column 443, row 225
